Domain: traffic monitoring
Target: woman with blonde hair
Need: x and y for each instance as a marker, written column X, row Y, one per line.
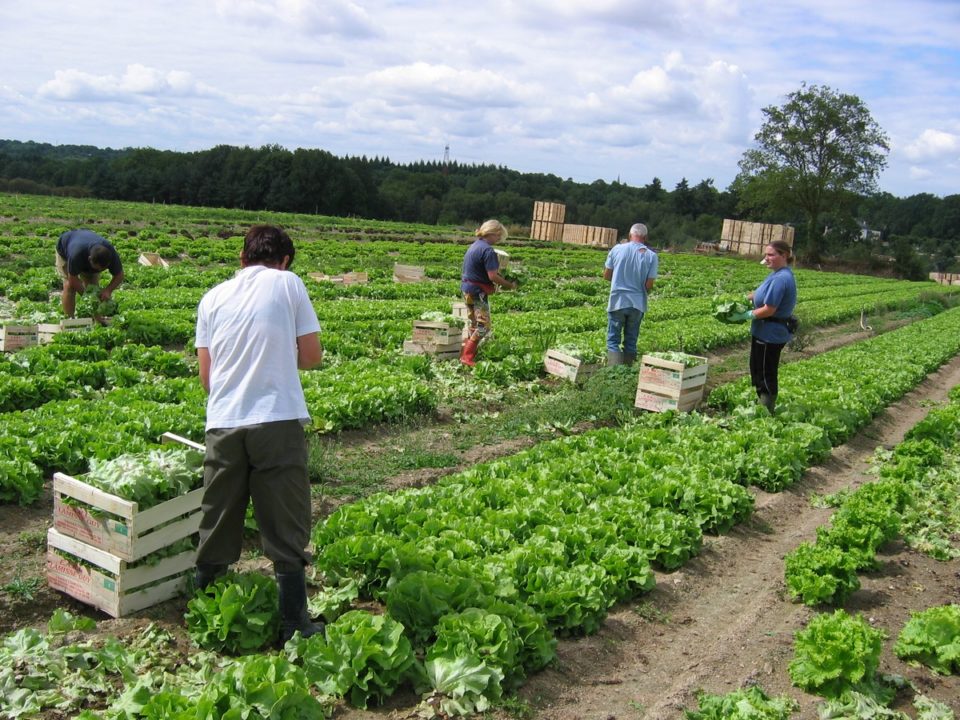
column 479, row 279
column 771, row 319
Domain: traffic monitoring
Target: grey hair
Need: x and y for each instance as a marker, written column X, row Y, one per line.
column 638, row 229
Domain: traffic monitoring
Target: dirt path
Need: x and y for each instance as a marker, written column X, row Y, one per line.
column 723, row 621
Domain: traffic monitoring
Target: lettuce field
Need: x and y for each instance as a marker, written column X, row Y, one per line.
column 496, row 542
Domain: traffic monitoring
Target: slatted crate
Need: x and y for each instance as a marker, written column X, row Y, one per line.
column 107, row 582
column 568, row 367
column 660, row 375
column 112, row 524
column 47, row 331
column 17, row 337
column 441, row 351
column 435, row 333
column 409, row 273
column 152, row 259
column 670, row 385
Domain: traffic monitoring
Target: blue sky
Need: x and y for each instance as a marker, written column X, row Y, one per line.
column 584, row 89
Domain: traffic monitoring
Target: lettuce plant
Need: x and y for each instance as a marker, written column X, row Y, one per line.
column 835, row 653
column 932, row 637
column 238, row 613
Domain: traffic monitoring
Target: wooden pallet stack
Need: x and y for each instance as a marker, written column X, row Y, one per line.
column 568, row 367
column 97, row 538
column 670, row 385
column 17, row 337
column 439, row 339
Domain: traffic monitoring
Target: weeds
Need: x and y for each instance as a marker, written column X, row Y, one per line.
column 22, row 588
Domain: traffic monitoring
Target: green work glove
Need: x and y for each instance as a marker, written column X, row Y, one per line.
column 741, row 316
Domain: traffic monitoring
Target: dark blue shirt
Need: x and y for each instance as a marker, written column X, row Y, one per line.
column 74, row 246
column 778, row 289
column 479, row 260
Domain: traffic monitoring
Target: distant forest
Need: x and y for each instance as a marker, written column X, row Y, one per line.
column 921, row 230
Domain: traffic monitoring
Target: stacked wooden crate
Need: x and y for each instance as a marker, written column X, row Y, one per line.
column 568, row 367
column 547, row 221
column 590, row 235
column 97, row 538
column 670, row 385
column 47, row 331
column 439, row 339
column 15, row 337
column 945, row 278
column 749, row 238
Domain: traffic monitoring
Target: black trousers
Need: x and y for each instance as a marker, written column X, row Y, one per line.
column 765, row 366
column 267, row 464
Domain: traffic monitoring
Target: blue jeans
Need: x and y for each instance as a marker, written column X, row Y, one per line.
column 623, row 324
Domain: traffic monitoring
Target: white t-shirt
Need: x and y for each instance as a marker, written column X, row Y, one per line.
column 250, row 325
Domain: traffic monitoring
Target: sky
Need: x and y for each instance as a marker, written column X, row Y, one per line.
column 590, row 90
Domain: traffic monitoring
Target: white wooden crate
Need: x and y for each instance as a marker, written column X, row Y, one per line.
column 668, row 376
column 17, row 337
column 115, row 525
column 110, row 585
column 47, row 331
column 568, row 367
column 409, row 273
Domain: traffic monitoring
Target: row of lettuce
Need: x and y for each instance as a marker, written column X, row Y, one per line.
column 838, row 655
column 481, row 573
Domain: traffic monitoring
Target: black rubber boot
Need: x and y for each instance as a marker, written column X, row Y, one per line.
column 629, row 358
column 293, row 607
column 768, row 401
column 207, row 575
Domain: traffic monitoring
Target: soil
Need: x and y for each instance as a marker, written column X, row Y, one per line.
column 721, row 622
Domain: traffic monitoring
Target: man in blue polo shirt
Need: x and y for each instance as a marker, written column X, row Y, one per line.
column 631, row 268
column 81, row 256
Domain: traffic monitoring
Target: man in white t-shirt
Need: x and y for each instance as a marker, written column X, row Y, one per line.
column 254, row 332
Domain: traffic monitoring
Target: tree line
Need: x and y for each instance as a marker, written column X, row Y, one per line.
column 315, row 181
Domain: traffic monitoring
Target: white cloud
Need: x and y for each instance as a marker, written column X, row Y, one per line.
column 305, row 17
column 137, row 81
column 933, row 145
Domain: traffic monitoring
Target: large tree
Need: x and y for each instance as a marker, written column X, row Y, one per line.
column 816, row 153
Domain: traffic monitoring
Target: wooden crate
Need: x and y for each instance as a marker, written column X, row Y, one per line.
column 47, row 331
column 568, row 367
column 549, row 212
column 16, row 337
column 662, row 402
column 323, row 277
column 667, row 376
column 408, row 273
column 543, row 230
column 504, row 258
column 436, row 333
column 446, row 351
column 151, row 259
column 137, row 532
column 112, row 586
column 356, row 278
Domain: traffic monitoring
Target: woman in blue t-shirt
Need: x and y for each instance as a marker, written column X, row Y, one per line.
column 480, row 278
column 773, row 303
